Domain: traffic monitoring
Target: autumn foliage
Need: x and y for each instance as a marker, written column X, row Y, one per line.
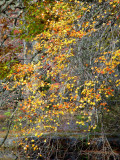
column 77, row 67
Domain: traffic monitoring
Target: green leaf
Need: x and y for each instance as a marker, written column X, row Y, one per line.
column 7, row 113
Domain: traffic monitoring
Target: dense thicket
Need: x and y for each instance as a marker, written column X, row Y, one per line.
column 70, row 77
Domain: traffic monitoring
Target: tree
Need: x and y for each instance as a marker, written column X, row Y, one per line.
column 74, row 68
column 10, row 15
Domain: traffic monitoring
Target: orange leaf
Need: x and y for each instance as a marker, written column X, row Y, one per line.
column 102, row 72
